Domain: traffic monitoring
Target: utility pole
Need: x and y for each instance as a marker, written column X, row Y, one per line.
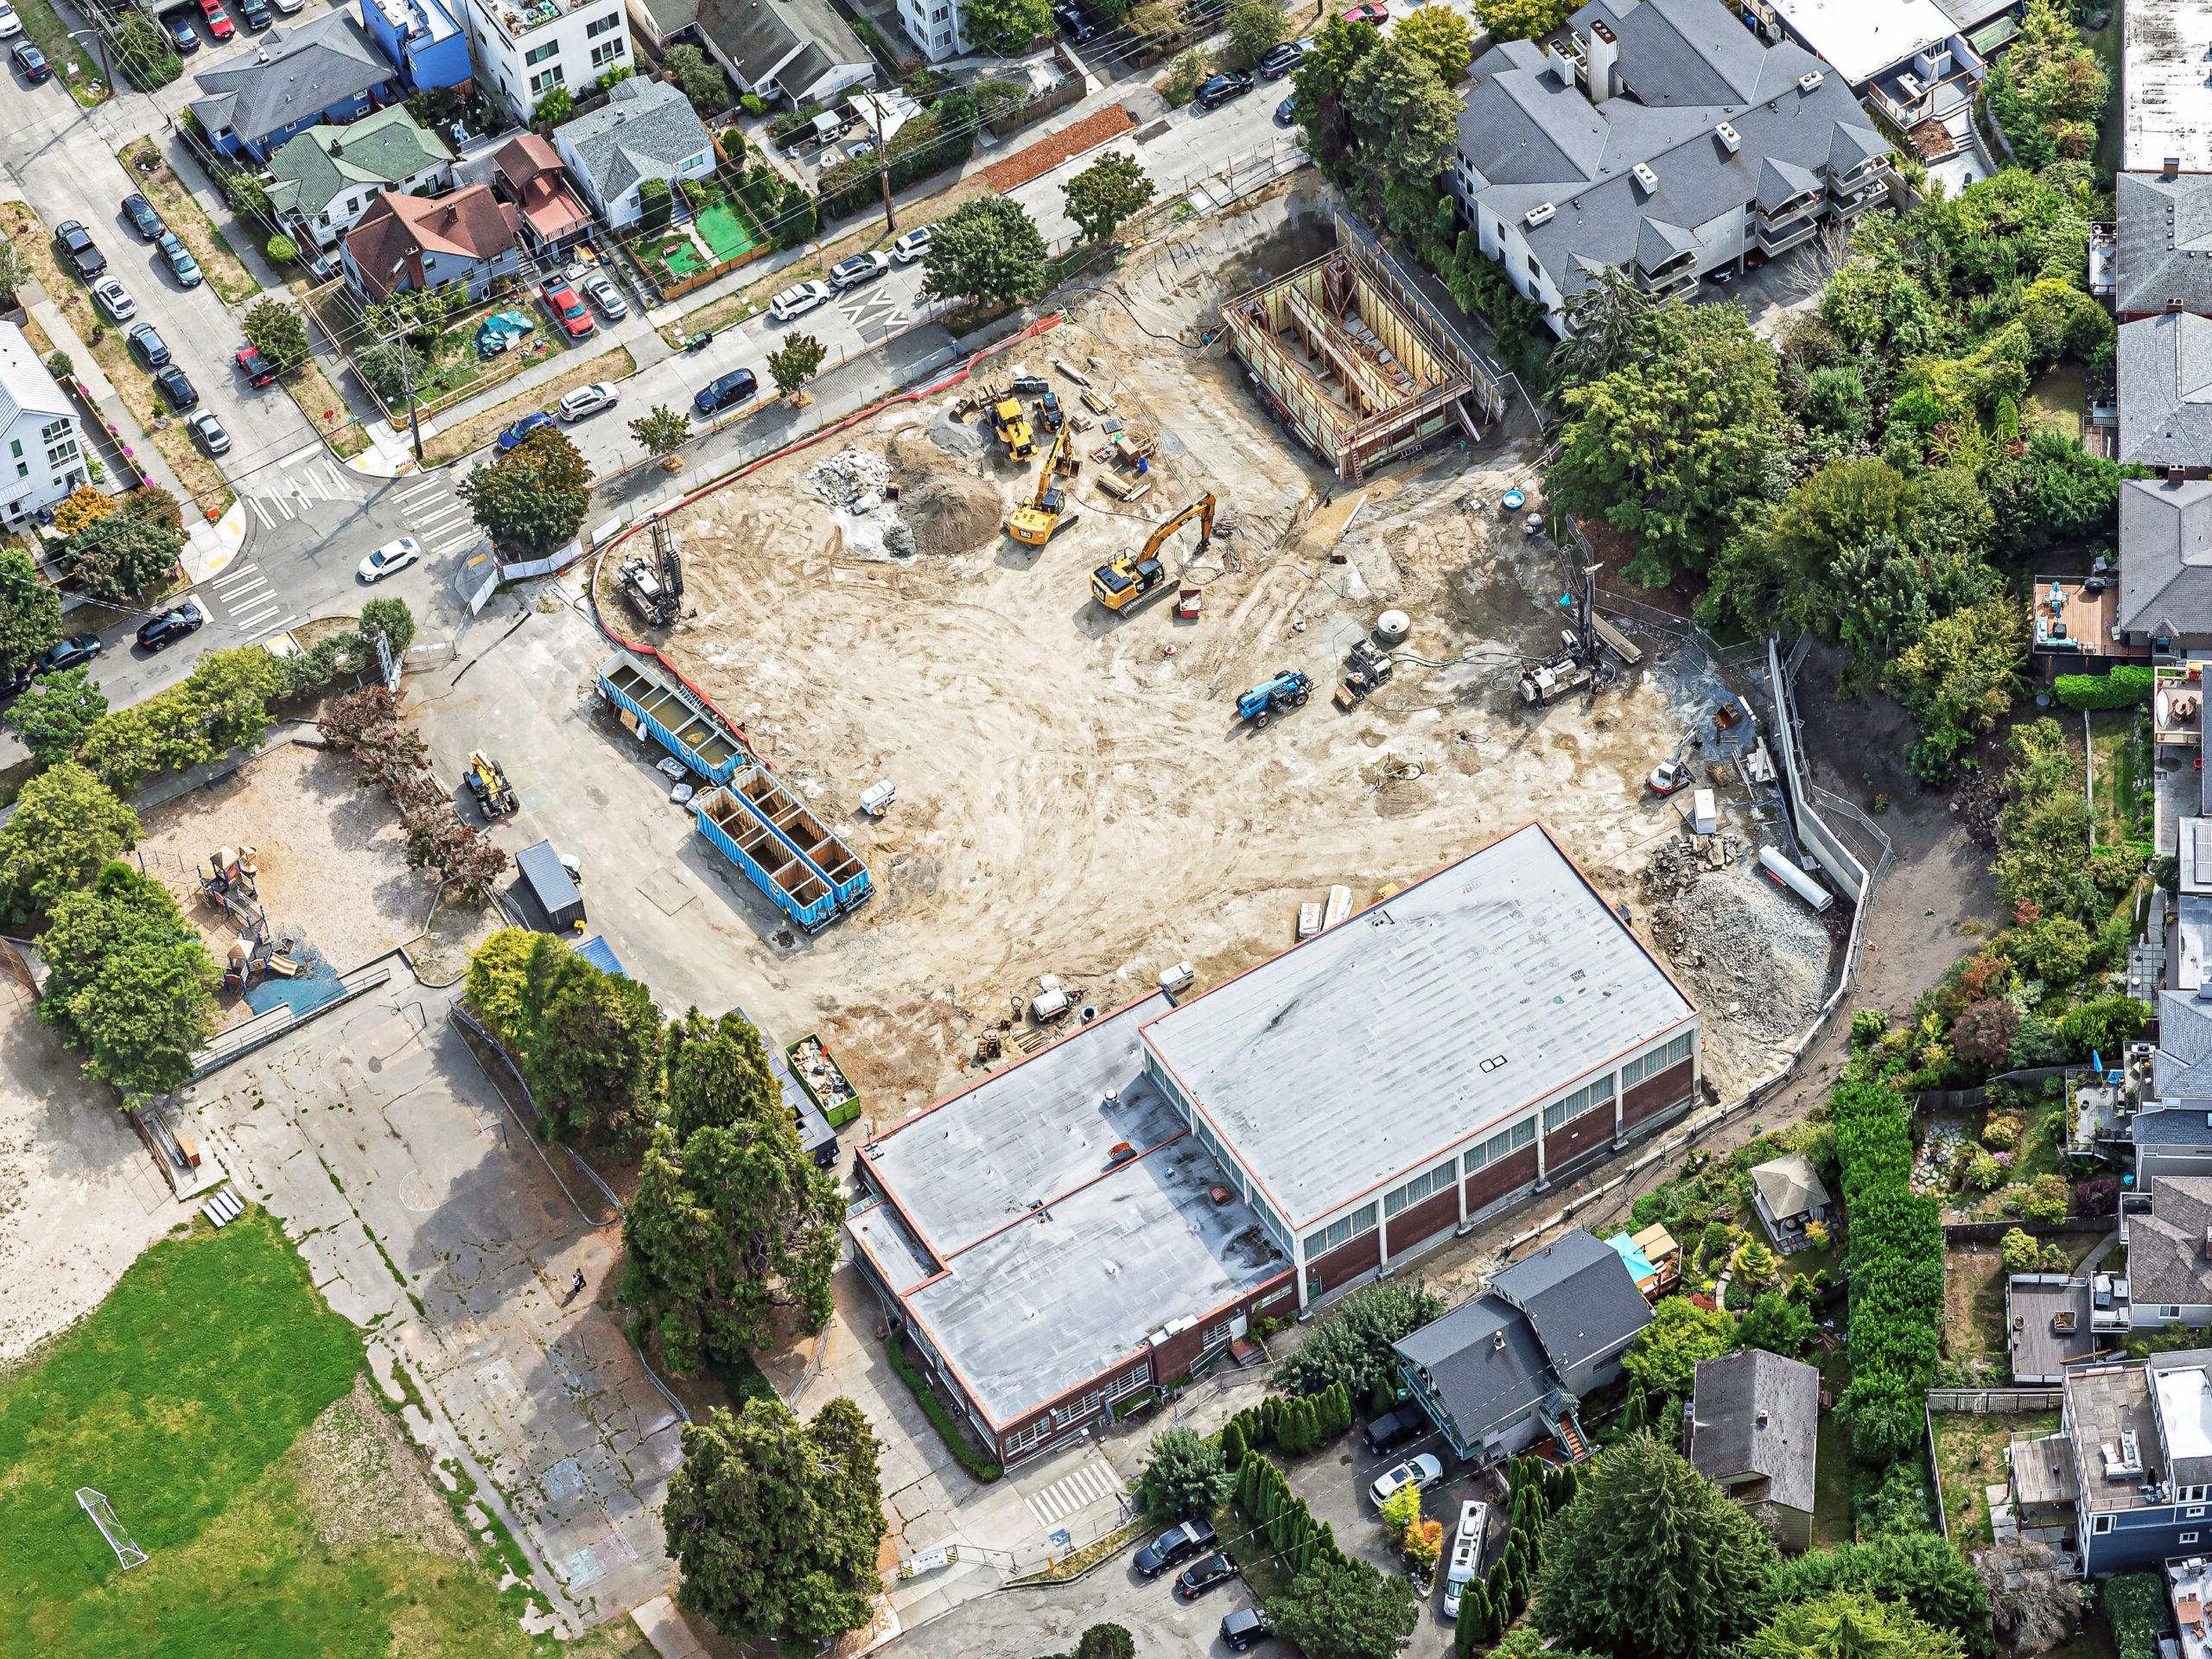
column 407, row 376
column 882, row 161
column 100, row 51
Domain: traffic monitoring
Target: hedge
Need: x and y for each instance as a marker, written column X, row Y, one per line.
column 2126, row 685
column 940, row 1414
column 2136, row 1605
column 1295, row 1538
column 1895, row 1265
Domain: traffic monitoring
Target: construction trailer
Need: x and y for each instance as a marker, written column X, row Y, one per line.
column 552, row 885
column 1361, row 365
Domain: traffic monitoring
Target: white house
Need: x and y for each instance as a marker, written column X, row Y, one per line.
column 646, row 130
column 38, row 431
column 792, row 51
column 524, row 49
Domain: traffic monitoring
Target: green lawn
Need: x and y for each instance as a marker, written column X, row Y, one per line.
column 725, row 230
column 44, row 25
column 2113, row 781
column 179, row 1398
column 1970, row 1456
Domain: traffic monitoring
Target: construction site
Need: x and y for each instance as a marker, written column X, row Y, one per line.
column 1121, row 664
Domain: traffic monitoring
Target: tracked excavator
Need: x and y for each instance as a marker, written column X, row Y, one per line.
column 1048, row 509
column 1133, row 577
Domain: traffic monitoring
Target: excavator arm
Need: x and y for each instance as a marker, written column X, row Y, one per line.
column 1048, row 471
column 1202, row 507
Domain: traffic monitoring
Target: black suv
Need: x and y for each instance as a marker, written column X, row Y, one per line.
column 175, row 388
column 1172, row 1545
column 83, row 253
column 1219, row 89
column 143, row 220
column 732, row 388
column 1245, row 1626
column 171, row 627
column 1077, row 26
column 148, row 346
column 1392, row 1429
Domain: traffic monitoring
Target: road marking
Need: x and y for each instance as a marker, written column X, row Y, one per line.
column 257, row 610
column 239, row 579
column 875, row 317
column 458, row 541
column 1093, row 1484
column 298, row 455
column 437, row 519
column 424, row 488
column 274, row 627
column 268, row 520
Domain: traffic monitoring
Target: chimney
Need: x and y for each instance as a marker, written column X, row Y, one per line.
column 2175, row 474
column 1761, row 1418
column 2208, row 1244
column 2172, row 168
column 1601, row 63
column 2173, row 305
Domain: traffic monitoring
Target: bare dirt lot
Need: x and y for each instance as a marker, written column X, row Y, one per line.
column 334, row 871
column 1076, row 796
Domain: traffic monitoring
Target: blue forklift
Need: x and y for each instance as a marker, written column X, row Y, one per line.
column 1288, row 690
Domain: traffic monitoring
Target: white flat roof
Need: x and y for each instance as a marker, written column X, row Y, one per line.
column 1862, row 38
column 2185, row 1411
column 2164, row 109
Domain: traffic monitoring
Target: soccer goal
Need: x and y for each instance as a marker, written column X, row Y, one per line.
column 117, row 1535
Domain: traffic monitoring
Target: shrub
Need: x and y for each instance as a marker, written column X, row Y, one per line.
column 59, row 366
column 2047, row 1200
column 2136, row 1605
column 2001, row 1133
column 2038, row 1042
column 1984, row 1032
column 1983, row 1174
column 283, row 250
column 2097, row 1198
column 655, row 202
column 1185, row 1475
column 2019, row 1251
column 2103, row 1025
column 2127, row 684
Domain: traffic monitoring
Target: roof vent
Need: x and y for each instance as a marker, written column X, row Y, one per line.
column 2173, row 302
column 1646, row 177
column 1492, row 1062
column 1730, row 137
column 1811, row 79
column 1219, row 1194
column 1497, row 1341
column 1762, row 1417
column 1538, row 214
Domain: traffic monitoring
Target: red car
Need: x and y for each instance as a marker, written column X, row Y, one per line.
column 561, row 301
column 258, row 370
column 218, row 21
column 1367, row 11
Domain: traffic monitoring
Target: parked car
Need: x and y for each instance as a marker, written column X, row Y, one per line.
column 218, row 21
column 77, row 247
column 1219, row 89
column 171, row 625
column 31, row 61
column 859, row 270
column 1195, row 1581
column 601, row 292
column 914, row 244
column 209, row 431
column 1279, row 61
column 183, row 265
column 735, row 387
column 587, row 401
column 254, row 14
column 258, row 370
column 288, row 8
column 561, row 299
column 537, row 421
column 175, row 388
column 1420, row 1473
column 1172, row 1545
column 1077, row 26
column 148, row 346
column 74, row 652
column 1243, row 1627
column 1465, row 1561
column 1286, row 113
column 798, row 300
column 9, row 23
column 143, row 220
column 182, row 36
column 1369, row 11
column 112, row 297
column 1393, row 1428
column 392, row 556
column 1722, row 277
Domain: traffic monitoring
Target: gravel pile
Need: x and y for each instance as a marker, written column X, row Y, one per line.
column 1756, row 958
column 956, row 436
column 850, row 478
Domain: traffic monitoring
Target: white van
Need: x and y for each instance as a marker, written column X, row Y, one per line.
column 1467, row 1554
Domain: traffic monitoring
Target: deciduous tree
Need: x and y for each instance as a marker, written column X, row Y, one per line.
column 52, row 716
column 66, row 828
column 1441, row 36
column 123, row 555
column 16, row 272
column 987, row 251
column 797, row 363
column 531, row 501
column 129, row 986
column 30, row 611
column 1849, row 1624
column 1776, row 1324
column 1107, row 191
column 660, row 430
column 1523, row 20
column 1255, row 28
column 1005, row 26
column 1343, row 1609
column 699, row 79
column 774, row 1524
column 1664, row 1358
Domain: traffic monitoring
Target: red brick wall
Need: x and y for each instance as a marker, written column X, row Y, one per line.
column 1346, row 1261
column 1419, row 1223
column 1670, row 1088
column 1501, row 1176
column 1577, row 1135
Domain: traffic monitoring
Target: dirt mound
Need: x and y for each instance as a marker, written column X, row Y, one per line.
column 364, row 1482
column 951, row 512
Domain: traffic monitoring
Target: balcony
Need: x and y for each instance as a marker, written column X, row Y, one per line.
column 1674, row 277
column 1775, row 219
column 1789, row 235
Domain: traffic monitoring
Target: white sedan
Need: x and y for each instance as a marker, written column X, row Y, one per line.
column 112, row 297
column 587, row 401
column 9, row 23
column 1420, row 1472
column 393, row 556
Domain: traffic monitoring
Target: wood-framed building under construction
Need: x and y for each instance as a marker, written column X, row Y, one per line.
column 1357, row 361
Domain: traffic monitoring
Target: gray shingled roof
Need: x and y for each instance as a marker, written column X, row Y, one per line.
column 1532, row 139
column 2165, row 372
column 758, row 35
column 2175, row 1125
column 2181, row 1067
column 1480, row 1380
column 2165, row 1248
column 2163, row 242
column 290, row 76
column 1779, row 181
column 646, row 130
column 1790, row 1185
column 1579, row 1296
column 2165, row 551
column 1728, row 1440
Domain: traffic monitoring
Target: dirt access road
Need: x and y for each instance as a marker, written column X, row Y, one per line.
column 1075, row 794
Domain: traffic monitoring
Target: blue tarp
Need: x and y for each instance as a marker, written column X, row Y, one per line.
column 596, row 951
column 1638, row 1264
column 317, row 984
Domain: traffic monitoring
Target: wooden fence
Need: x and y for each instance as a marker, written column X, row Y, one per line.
column 2004, row 1403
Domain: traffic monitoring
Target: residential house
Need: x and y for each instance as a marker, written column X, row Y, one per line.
column 1659, row 137
column 422, row 38
column 646, row 130
column 524, row 49
column 327, row 70
column 41, row 458
column 1909, row 58
column 791, row 52
column 2165, row 564
column 1789, row 1196
column 527, row 171
column 1753, row 1430
column 2162, row 244
column 2169, row 1244
column 2163, row 366
column 1504, row 1371
column 324, row 179
column 405, row 243
column 2141, row 1432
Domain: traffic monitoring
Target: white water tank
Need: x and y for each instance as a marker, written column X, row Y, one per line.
column 1392, row 627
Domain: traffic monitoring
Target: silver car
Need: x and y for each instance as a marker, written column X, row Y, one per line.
column 586, row 401
column 209, row 431
column 602, row 293
column 112, row 297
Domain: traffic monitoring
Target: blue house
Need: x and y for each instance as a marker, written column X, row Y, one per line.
column 422, row 39
column 328, row 70
column 2141, row 1438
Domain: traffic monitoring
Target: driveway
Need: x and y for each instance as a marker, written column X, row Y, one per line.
column 430, row 1219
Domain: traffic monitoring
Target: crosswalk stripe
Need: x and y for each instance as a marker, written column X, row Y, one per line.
column 239, row 573
column 261, row 614
column 1070, row 1493
column 252, row 593
column 274, row 627
column 458, row 541
column 268, row 519
column 433, row 520
column 424, row 488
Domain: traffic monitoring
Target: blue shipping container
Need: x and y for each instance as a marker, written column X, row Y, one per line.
column 680, row 722
column 783, row 877
column 759, row 792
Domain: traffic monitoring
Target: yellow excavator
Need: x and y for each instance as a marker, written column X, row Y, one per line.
column 1130, row 578
column 1047, row 509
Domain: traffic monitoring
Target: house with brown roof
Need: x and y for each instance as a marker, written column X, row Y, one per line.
column 407, row 241
column 528, row 172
